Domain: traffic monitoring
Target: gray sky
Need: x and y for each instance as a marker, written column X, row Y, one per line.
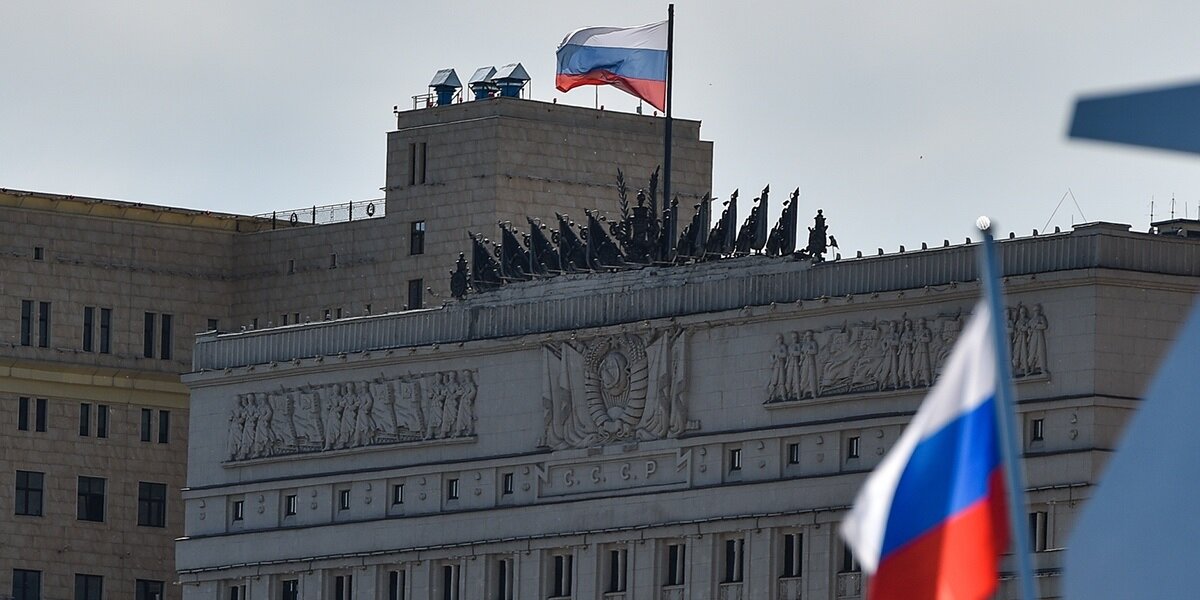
column 903, row 120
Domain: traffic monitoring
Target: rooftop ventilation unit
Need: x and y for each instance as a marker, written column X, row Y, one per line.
column 445, row 85
column 481, row 83
column 511, row 79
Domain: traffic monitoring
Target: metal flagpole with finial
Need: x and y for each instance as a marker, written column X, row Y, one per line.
column 667, row 137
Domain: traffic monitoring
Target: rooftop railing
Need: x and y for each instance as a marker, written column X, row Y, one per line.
column 327, row 214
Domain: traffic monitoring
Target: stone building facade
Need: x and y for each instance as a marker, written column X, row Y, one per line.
column 661, row 432
column 102, row 299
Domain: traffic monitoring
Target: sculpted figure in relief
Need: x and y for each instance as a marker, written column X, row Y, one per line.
column 905, row 362
column 1037, row 341
column 923, row 369
column 809, row 378
column 777, row 388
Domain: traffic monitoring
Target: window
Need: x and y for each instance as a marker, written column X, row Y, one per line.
column 164, row 350
column 343, row 499
column 43, row 324
column 395, row 589
column 289, row 589
column 89, row 327
column 793, row 455
column 89, row 587
column 328, row 314
column 504, row 579
column 735, row 460
column 91, row 499
column 416, row 163
column 39, row 253
column 147, row 416
column 295, row 317
column 26, row 322
column 398, row 493
column 414, row 294
column 452, row 489
column 85, row 419
column 338, row 312
column 146, row 589
column 561, row 584
column 283, row 319
column 1037, row 530
column 101, row 420
column 27, row 585
column 148, row 335
column 450, row 582
column 733, row 555
column 40, row 417
column 793, row 543
column 291, row 266
column 852, row 447
column 1037, row 430
column 849, row 561
column 343, row 587
column 106, row 331
column 416, row 238
column 29, row 493
column 333, row 261
column 290, row 504
column 676, row 556
column 239, row 510
column 237, row 591
column 23, row 414
column 164, row 426
column 152, row 504
column 618, row 561
column 507, row 487
column 213, row 324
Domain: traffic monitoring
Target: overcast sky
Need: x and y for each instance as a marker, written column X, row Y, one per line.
column 903, row 120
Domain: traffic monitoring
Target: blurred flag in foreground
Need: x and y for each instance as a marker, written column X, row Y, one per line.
column 632, row 59
column 930, row 522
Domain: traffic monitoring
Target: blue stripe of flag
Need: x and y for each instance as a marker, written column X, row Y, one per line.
column 631, row 63
column 948, row 472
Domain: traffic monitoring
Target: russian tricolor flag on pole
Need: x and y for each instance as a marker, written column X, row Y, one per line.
column 632, row 59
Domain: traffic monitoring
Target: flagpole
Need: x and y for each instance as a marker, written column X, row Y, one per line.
column 1006, row 408
column 667, row 138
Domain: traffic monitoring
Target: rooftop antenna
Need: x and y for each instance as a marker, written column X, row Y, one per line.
column 1172, row 206
column 1152, row 210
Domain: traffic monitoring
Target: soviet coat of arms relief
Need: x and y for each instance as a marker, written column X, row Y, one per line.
column 627, row 387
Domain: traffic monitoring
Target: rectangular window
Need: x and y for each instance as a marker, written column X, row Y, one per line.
column 164, row 350
column 412, row 164
column 146, row 589
column 849, row 561
column 237, row 592
column 343, row 499
column 290, row 504
column 424, row 154
column 343, row 587
column 733, row 560
column 23, row 414
column 617, row 569
column 89, row 327
column 39, row 253
column 735, row 459
column 507, row 488
column 1037, row 430
column 450, row 576
column 395, row 585
column 1037, row 530
column 504, row 579
column 416, row 238
column 29, row 493
column 452, row 489
column 414, row 294
column 793, row 454
column 106, row 331
column 164, row 426
column 793, row 543
column 676, row 555
column 852, row 447
column 152, row 504
column 26, row 322
column 85, row 419
column 333, row 261
column 40, row 417
column 290, row 589
column 91, row 499
column 283, row 319
column 148, row 334
column 147, row 417
column 398, row 493
column 26, row 585
column 101, row 420
column 239, row 510
column 561, row 586
column 89, row 587
column 213, row 325
column 44, row 324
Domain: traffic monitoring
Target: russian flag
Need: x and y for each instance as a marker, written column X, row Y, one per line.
column 632, row 59
column 930, row 521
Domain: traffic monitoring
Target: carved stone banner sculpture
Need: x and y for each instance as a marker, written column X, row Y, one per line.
column 352, row 414
column 617, row 388
column 875, row 356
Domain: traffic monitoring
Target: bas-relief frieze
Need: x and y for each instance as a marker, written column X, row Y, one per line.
column 352, row 414
column 620, row 388
column 882, row 355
